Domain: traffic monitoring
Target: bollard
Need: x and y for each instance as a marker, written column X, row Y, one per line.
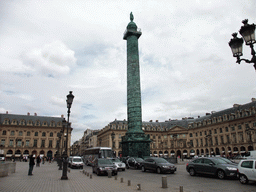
column 122, row 180
column 138, row 187
column 129, row 182
column 87, row 174
column 164, row 182
column 116, row 177
column 109, row 174
column 181, row 188
column 90, row 176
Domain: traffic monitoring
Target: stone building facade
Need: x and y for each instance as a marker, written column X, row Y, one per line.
column 228, row 132
column 22, row 135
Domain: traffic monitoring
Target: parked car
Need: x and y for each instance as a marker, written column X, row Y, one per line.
column 158, row 164
column 212, row 166
column 120, row 165
column 2, row 157
column 247, row 171
column 134, row 162
column 76, row 162
column 102, row 166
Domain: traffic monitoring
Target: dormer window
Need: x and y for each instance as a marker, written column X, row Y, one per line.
column 14, row 122
column 22, row 122
column 6, row 121
column 37, row 123
column 52, row 124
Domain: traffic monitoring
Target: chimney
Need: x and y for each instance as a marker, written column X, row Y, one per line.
column 253, row 99
column 156, row 120
column 28, row 113
column 6, row 112
column 198, row 116
column 236, row 105
column 150, row 120
column 35, row 114
column 62, row 116
column 207, row 113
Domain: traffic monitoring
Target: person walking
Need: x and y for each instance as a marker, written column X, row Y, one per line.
column 31, row 164
column 38, row 161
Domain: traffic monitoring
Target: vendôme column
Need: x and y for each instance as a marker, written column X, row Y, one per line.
column 135, row 142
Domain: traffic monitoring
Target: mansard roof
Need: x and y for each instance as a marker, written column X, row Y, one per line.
column 11, row 117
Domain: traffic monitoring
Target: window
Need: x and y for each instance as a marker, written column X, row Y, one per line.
column 37, row 123
column 43, row 143
column 207, row 161
column 6, row 121
column 233, row 128
column 220, row 130
column 43, row 134
column 216, row 140
column 205, row 132
column 51, row 134
column 239, row 127
column 4, row 132
column 2, row 142
column 210, row 132
column 27, row 143
column 20, row 133
column 196, row 134
column 12, row 132
column 28, row 133
column 247, row 164
column 200, row 133
column 52, row 124
column 215, row 131
column 22, row 122
column 50, row 143
column 221, row 139
column 190, row 135
column 35, row 143
column 36, row 133
column 226, row 129
column 228, row 139
column 11, row 142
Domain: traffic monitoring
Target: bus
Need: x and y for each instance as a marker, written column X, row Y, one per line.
column 97, row 152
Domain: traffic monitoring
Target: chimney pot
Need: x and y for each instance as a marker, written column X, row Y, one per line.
column 35, row 114
column 253, row 99
column 6, row 112
column 28, row 113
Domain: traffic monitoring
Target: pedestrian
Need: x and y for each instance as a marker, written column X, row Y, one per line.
column 38, row 161
column 43, row 159
column 31, row 164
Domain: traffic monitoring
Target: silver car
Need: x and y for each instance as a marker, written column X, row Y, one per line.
column 120, row 165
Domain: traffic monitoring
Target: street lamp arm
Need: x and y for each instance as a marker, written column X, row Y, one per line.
column 247, row 61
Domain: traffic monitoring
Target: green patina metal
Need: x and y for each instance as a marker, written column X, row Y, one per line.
column 135, row 142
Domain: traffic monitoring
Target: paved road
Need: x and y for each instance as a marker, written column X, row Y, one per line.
column 47, row 179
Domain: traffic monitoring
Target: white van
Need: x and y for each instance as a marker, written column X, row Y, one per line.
column 250, row 155
column 76, row 162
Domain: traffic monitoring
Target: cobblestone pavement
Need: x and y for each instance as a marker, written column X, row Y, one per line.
column 46, row 178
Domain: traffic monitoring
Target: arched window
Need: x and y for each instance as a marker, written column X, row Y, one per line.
column 28, row 133
column 20, row 133
column 51, row 134
column 43, row 134
column 36, row 133
column 4, row 132
column 12, row 132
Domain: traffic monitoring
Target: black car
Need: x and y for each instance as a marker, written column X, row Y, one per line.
column 102, row 166
column 134, row 162
column 212, row 166
column 160, row 165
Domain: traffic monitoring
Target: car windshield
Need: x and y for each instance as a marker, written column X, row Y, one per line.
column 138, row 159
column 219, row 161
column 104, row 161
column 161, row 160
column 77, row 160
column 115, row 160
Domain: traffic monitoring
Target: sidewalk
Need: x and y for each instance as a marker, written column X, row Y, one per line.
column 46, row 178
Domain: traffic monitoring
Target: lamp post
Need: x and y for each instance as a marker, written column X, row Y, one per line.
column 236, row 44
column 64, row 122
column 113, row 143
column 69, row 100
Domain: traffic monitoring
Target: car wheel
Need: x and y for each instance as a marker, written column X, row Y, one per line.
column 123, row 169
column 136, row 167
column 158, row 170
column 192, row 172
column 98, row 172
column 92, row 170
column 220, row 174
column 127, row 167
column 243, row 179
column 143, row 169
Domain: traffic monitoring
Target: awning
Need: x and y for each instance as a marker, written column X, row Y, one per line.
column 235, row 152
column 229, row 151
column 184, row 153
column 17, row 155
column 212, row 152
column 242, row 151
column 8, row 155
column 172, row 153
column 223, row 151
column 192, row 153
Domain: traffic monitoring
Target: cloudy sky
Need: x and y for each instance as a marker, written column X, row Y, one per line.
column 51, row 47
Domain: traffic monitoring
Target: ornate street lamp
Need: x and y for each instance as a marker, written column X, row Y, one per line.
column 69, row 100
column 236, row 44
